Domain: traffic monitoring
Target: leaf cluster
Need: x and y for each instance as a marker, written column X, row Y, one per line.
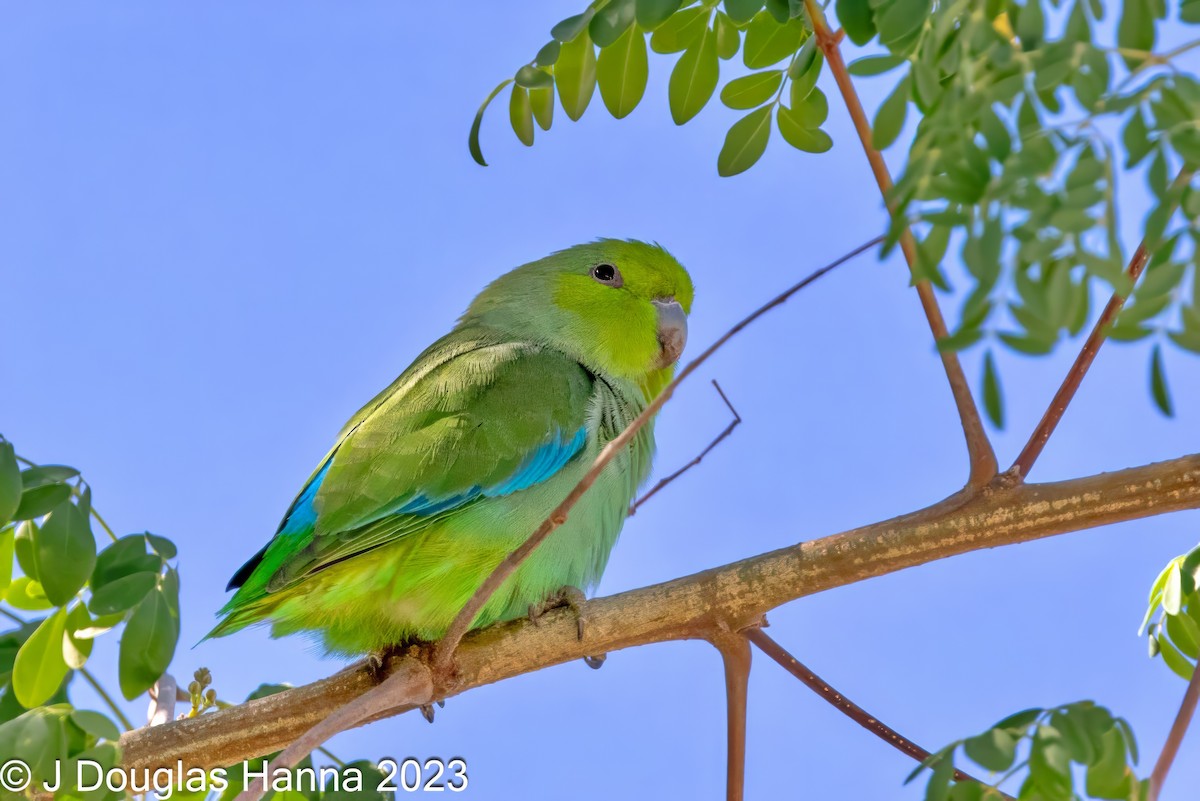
column 50, row 566
column 1172, row 621
column 1062, row 754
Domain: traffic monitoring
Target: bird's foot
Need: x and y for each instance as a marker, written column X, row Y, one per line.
column 427, row 710
column 565, row 597
column 571, row 598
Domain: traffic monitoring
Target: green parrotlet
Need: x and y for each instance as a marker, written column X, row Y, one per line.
column 432, row 483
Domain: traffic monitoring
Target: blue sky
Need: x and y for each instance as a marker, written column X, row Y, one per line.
column 223, row 227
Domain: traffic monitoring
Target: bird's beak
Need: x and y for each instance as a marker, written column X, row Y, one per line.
column 672, row 330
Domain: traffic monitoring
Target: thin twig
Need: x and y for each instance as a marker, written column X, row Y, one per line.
column 979, row 447
column 1087, row 354
column 466, row 616
column 1187, row 709
column 844, row 705
column 411, row 680
column 14, row 618
column 108, row 699
column 735, row 656
column 737, row 419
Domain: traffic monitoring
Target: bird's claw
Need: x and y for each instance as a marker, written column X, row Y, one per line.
column 570, row 597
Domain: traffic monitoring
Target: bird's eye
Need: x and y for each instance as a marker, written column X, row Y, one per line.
column 607, row 274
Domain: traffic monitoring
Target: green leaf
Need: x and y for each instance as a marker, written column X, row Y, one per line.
column 65, row 553
column 900, row 18
column 122, row 594
column 993, row 396
column 680, row 31
column 37, row 501
column 742, row 11
column 813, row 110
column 889, row 120
column 938, row 788
column 95, row 724
column 857, row 20
column 1018, row 722
column 25, row 547
column 10, row 483
column 694, row 78
column 652, row 13
column 621, row 72
column 995, row 749
column 797, row 134
column 752, row 90
column 1172, row 589
column 575, row 75
column 531, row 77
column 806, row 81
column 1031, row 24
column 1158, row 383
column 39, row 669
column 548, row 55
column 43, row 474
column 571, row 27
column 76, row 650
column 874, row 65
column 473, row 137
column 520, row 114
column 1136, row 29
column 745, row 142
column 611, row 21
column 1185, row 633
column 7, row 537
column 1189, row 12
column 1076, row 737
column 542, row 102
column 768, row 42
column 1109, row 776
column 147, row 644
column 125, row 556
column 27, row 595
column 729, row 39
column 1176, row 661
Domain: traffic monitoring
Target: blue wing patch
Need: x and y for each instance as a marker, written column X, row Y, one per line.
column 547, row 460
column 540, row 465
column 303, row 514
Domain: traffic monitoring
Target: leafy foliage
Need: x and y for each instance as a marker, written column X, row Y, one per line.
column 1009, row 110
column 61, row 592
column 1172, row 621
column 1062, row 753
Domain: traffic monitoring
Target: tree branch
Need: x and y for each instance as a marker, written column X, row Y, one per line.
column 409, row 683
column 979, row 447
column 847, row 707
column 733, row 596
column 1187, row 709
column 735, row 657
column 444, row 653
column 1083, row 362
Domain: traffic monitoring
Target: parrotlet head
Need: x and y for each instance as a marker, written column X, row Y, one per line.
column 619, row 307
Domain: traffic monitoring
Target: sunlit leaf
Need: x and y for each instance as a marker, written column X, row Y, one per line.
column 622, row 71
column 694, row 78
column 745, row 142
column 39, row 668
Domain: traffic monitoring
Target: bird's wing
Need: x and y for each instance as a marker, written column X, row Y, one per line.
column 485, row 422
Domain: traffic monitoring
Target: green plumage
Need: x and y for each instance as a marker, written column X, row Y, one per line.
column 443, row 473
